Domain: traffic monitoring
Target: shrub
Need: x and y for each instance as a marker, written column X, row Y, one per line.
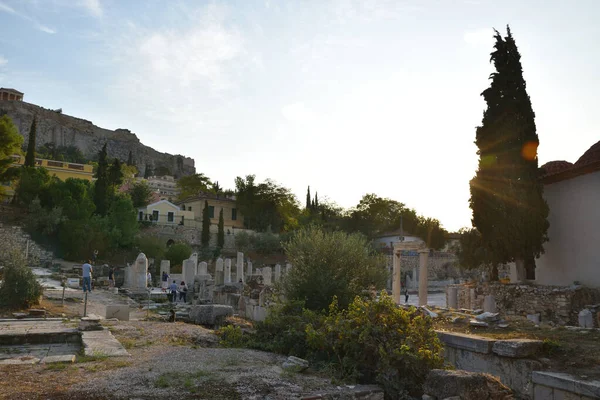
column 328, row 264
column 376, row 341
column 19, row 287
column 177, row 253
column 231, row 336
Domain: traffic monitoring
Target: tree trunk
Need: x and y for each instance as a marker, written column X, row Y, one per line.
column 530, row 268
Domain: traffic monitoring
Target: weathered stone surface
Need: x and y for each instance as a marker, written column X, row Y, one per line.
column 488, row 317
column 90, row 323
column 65, row 130
column 586, row 319
column 517, row 348
column 473, row 343
column 351, row 392
column 295, row 364
column 67, row 358
column 535, row 318
column 102, row 343
column 210, row 314
column 478, row 324
column 567, row 383
column 442, row 384
column 118, row 311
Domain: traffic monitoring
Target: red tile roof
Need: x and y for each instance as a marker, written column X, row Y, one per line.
column 556, row 171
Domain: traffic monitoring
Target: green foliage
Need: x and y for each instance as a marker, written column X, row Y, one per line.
column 115, row 173
column 177, row 253
column 73, row 196
column 43, row 221
column 19, row 287
column 193, row 185
column 506, row 193
column 265, row 243
column 10, row 143
column 30, row 156
column 328, row 264
column 161, row 170
column 231, row 336
column 32, row 183
column 266, row 205
column 50, row 151
column 122, row 222
column 151, row 246
column 221, row 231
column 79, row 238
column 102, row 185
column 141, row 194
column 376, row 341
column 205, row 234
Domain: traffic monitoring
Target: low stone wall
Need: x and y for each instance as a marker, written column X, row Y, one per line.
column 554, row 303
column 560, row 386
column 477, row 354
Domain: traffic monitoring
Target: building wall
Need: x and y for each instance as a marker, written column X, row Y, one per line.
column 197, row 206
column 163, row 209
column 571, row 254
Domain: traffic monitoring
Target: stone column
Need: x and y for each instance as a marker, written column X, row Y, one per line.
column 396, row 275
column 219, row 271
column 249, row 268
column 518, row 273
column 165, row 266
column 277, row 274
column 472, row 299
column 452, row 297
column 423, row 259
column 239, row 273
column 139, row 272
column 288, row 268
column 489, row 304
column 266, row 274
column 202, row 268
column 227, row 271
column 188, row 271
column 415, row 278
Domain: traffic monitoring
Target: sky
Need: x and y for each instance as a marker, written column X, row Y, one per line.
column 349, row 97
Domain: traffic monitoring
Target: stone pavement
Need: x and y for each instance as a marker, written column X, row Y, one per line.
column 102, row 343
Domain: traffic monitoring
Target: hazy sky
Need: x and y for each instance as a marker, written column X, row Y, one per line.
column 349, row 97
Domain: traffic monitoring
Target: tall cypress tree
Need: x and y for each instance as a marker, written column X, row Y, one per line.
column 221, row 231
column 30, row 156
column 316, row 200
column 205, row 237
column 115, row 175
column 101, row 187
column 506, row 193
column 130, row 159
column 308, row 206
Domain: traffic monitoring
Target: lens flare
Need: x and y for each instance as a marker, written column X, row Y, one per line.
column 529, row 151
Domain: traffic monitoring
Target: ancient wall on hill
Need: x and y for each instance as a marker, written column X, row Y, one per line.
column 65, row 130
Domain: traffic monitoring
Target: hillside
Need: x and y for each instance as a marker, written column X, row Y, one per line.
column 64, row 130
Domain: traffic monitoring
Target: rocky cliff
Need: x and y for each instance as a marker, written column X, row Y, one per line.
column 64, row 130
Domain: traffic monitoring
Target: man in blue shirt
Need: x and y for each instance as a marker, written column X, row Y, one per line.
column 86, row 272
column 173, row 288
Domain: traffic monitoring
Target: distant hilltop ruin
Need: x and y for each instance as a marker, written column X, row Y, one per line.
column 63, row 130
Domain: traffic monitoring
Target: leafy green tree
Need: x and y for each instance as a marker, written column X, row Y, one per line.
column 193, row 185
column 266, row 205
column 161, row 170
column 102, row 186
column 79, row 238
column 205, row 235
column 221, row 231
column 432, row 233
column 32, row 183
column 10, row 144
column 115, row 173
column 506, row 193
column 19, row 287
column 472, row 254
column 375, row 215
column 177, row 253
column 217, row 189
column 328, row 264
column 308, row 204
column 122, row 222
column 141, row 194
column 43, row 221
column 151, row 246
column 73, row 196
column 30, row 156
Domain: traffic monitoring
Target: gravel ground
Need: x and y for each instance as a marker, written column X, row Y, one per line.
column 168, row 360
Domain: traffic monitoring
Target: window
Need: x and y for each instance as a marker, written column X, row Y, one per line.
column 189, row 209
column 170, row 216
column 211, row 211
column 234, row 214
column 155, row 215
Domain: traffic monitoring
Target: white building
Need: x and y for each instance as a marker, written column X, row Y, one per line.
column 165, row 186
column 572, row 192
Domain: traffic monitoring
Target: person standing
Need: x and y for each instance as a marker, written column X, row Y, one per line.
column 174, row 291
column 183, row 291
column 164, row 281
column 406, row 295
column 86, row 273
column 111, row 277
